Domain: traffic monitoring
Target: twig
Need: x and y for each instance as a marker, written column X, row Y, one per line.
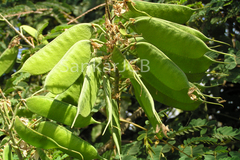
column 90, row 10
column 176, row 148
column 123, row 120
column 20, row 34
column 70, row 17
column 28, row 12
column 107, row 11
column 2, row 94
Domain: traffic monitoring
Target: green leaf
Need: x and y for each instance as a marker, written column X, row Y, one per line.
column 132, row 148
column 30, row 30
column 192, row 151
column 42, row 27
column 198, row 122
column 161, row 149
column 129, row 157
column 209, row 157
column 7, row 59
column 221, row 149
column 141, row 136
column 4, row 141
column 231, row 62
column 234, row 154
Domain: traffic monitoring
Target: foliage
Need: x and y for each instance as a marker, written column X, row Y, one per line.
column 115, row 44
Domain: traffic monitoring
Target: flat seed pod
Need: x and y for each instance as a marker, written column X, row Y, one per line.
column 42, row 140
column 187, row 65
column 90, row 87
column 145, row 100
column 122, row 64
column 46, row 58
column 179, row 95
column 58, row 111
column 192, row 65
column 7, row 59
column 194, row 77
column 169, row 101
column 161, row 66
column 171, row 12
column 169, row 38
column 68, row 140
column 71, row 95
column 192, row 31
column 32, row 137
column 69, row 68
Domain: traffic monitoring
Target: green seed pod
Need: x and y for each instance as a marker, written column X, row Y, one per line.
column 179, row 95
column 122, row 64
column 145, row 100
column 69, row 68
column 192, row 31
column 169, row 101
column 58, row 111
column 161, row 66
column 32, row 137
column 194, row 77
column 7, row 59
column 43, row 61
column 192, row 65
column 72, row 94
column 169, row 38
column 187, row 65
column 171, row 12
column 68, row 140
column 90, row 88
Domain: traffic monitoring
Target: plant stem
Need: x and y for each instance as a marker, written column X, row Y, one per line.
column 90, row 10
column 20, row 34
column 9, row 130
column 123, row 120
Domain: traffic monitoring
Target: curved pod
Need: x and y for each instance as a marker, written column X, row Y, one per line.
column 169, row 38
column 179, row 95
column 145, row 100
column 192, row 31
column 172, row 12
column 58, row 111
column 161, row 66
column 32, row 137
column 69, row 68
column 68, row 140
column 46, row 58
column 169, row 101
column 124, row 67
column 72, row 94
column 7, row 59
